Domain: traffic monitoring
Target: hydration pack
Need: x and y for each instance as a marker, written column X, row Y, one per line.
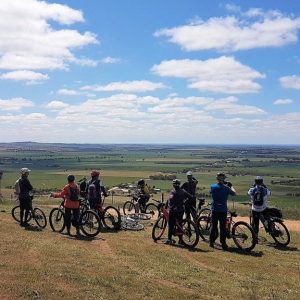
column 73, row 193
column 92, row 192
column 258, row 197
column 17, row 187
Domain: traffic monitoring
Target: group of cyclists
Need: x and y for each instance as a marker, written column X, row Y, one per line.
column 182, row 199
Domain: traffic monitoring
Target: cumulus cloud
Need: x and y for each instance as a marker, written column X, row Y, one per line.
column 290, row 82
column 29, row 77
column 68, row 92
column 15, row 104
column 283, row 101
column 136, row 86
column 231, row 33
column 29, row 41
column 223, row 74
column 56, row 105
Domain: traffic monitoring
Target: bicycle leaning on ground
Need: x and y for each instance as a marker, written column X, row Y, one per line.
column 186, row 230
column 35, row 213
column 272, row 221
column 89, row 221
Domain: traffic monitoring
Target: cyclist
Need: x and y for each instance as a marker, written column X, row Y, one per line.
column 176, row 208
column 95, row 189
column 190, row 197
column 143, row 194
column 24, row 197
column 70, row 193
column 220, row 192
column 259, row 198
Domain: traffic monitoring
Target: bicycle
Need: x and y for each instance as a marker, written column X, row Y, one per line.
column 34, row 213
column 273, row 224
column 185, row 229
column 89, row 221
column 132, row 206
column 129, row 223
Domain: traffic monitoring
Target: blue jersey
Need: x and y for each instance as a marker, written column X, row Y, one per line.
column 220, row 193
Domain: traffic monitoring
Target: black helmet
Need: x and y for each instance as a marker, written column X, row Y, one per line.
column 258, row 180
column 176, row 182
column 141, row 182
column 221, row 176
column 71, row 178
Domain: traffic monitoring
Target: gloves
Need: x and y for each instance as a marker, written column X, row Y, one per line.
column 229, row 184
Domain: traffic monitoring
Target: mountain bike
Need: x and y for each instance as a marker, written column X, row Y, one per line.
column 186, row 230
column 35, row 213
column 272, row 221
column 129, row 223
column 89, row 221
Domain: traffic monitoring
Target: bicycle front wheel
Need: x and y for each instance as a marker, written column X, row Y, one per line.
column 40, row 218
column 15, row 212
column 190, row 234
column 57, row 220
column 111, row 218
column 89, row 223
column 152, row 210
column 279, row 232
column 204, row 224
column 159, row 228
column 128, row 208
column 243, row 236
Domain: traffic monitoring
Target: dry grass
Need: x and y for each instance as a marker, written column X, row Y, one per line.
column 129, row 265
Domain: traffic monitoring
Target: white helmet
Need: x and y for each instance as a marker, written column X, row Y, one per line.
column 189, row 173
column 24, row 171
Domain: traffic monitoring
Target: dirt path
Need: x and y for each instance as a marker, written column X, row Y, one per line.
column 292, row 225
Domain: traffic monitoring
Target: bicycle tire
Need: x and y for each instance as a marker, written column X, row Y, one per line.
column 204, row 212
column 39, row 217
column 204, row 224
column 190, row 236
column 133, row 226
column 152, row 210
column 89, row 223
column 15, row 212
column 278, row 233
column 139, row 216
column 242, row 232
column 111, row 218
column 128, row 207
column 159, row 228
column 57, row 220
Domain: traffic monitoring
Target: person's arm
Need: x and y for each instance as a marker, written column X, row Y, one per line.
column 60, row 194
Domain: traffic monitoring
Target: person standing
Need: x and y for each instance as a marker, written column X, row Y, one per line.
column 143, row 194
column 70, row 193
column 220, row 192
column 189, row 187
column 24, row 189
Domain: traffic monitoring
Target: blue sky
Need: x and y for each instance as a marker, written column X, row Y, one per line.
column 137, row 71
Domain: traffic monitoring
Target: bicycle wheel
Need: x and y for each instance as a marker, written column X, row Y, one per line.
column 190, row 234
column 57, row 220
column 111, row 218
column 152, row 210
column 39, row 217
column 243, row 236
column 89, row 223
column 15, row 212
column 204, row 212
column 159, row 228
column 204, row 224
column 129, row 224
column 139, row 216
column 83, row 208
column 279, row 232
column 128, row 208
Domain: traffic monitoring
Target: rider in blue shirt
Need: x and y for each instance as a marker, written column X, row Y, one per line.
column 220, row 192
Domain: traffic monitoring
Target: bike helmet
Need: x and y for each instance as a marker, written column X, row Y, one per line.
column 221, row 176
column 95, row 173
column 24, row 171
column 258, row 180
column 189, row 173
column 71, row 178
column 176, row 182
column 141, row 182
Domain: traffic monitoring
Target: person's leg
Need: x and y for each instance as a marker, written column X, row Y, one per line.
column 222, row 219
column 214, row 228
column 68, row 219
column 255, row 221
column 22, row 209
column 187, row 208
column 76, row 220
column 172, row 222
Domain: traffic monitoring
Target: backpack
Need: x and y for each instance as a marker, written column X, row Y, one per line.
column 73, row 193
column 92, row 192
column 258, row 197
column 17, row 187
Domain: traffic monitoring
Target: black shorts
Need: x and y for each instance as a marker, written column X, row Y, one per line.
column 25, row 203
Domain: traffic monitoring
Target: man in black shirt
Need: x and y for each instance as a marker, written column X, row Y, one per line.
column 189, row 188
column 24, row 197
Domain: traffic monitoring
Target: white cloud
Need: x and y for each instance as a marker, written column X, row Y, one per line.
column 136, row 86
column 110, row 60
column 232, row 34
column 56, row 105
column 223, row 74
column 68, row 92
column 283, row 101
column 28, row 41
column 15, row 104
column 29, row 76
column 292, row 82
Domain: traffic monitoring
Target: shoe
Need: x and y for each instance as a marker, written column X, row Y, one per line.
column 225, row 247
column 211, row 245
column 169, row 242
column 78, row 232
column 22, row 224
column 68, row 232
column 26, row 225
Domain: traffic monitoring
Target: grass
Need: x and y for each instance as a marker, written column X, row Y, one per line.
column 129, row 265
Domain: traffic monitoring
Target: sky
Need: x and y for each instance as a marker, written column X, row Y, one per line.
column 150, row 71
